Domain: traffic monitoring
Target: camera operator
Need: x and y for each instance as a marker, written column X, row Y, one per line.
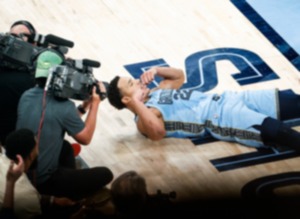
column 23, row 29
column 13, row 82
column 50, row 118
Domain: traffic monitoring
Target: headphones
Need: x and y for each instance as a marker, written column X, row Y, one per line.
column 27, row 24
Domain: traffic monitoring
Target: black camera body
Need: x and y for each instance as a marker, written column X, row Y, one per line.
column 74, row 80
column 16, row 53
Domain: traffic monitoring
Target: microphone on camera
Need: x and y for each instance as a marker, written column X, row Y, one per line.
column 58, row 41
column 91, row 63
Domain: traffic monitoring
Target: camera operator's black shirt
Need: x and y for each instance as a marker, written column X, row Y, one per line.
column 12, row 85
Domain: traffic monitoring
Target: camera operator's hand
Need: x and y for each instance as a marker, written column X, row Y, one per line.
column 85, row 136
column 95, row 98
column 86, row 105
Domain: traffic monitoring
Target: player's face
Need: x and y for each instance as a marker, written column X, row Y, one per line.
column 133, row 88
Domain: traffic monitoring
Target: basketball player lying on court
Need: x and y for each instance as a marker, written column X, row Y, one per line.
column 253, row 118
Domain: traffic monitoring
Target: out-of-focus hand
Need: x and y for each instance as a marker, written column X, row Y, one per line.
column 15, row 170
column 63, row 201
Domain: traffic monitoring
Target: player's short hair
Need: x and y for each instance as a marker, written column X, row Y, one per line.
column 114, row 95
column 20, row 142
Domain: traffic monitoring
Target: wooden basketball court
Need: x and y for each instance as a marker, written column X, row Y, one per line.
column 120, row 33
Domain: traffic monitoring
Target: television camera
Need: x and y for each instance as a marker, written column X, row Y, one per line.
column 74, row 80
column 15, row 53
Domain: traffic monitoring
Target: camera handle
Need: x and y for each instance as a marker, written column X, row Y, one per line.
column 102, row 95
column 49, row 79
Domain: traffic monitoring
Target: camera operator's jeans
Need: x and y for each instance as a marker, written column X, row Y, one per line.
column 72, row 183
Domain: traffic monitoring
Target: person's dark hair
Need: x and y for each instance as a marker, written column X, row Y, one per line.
column 41, row 82
column 25, row 23
column 129, row 193
column 113, row 94
column 21, row 142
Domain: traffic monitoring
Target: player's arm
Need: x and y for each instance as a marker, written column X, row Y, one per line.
column 149, row 121
column 173, row 77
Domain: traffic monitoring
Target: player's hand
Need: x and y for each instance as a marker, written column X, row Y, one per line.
column 148, row 76
column 136, row 99
column 139, row 95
